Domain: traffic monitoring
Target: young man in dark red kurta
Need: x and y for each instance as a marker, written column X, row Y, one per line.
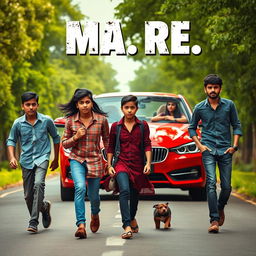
column 130, row 170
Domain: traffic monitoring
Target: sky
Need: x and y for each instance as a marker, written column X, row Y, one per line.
column 103, row 11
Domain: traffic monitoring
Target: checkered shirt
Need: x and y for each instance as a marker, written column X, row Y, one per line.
column 87, row 148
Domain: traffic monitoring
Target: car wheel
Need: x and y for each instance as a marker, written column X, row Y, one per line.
column 66, row 194
column 198, row 194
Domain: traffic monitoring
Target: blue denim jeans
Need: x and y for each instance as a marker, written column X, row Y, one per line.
column 127, row 192
column 79, row 172
column 225, row 167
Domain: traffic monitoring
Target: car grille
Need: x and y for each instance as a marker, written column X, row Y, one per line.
column 159, row 154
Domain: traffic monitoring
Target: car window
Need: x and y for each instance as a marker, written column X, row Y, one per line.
column 149, row 106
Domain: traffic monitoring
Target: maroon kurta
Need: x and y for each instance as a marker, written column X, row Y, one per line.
column 131, row 159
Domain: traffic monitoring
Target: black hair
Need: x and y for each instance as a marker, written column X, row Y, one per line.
column 129, row 98
column 176, row 112
column 70, row 108
column 212, row 79
column 28, row 96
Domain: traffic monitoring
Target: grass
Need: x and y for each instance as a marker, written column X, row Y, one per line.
column 9, row 176
column 244, row 183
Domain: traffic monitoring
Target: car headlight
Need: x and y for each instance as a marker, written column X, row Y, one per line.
column 189, row 148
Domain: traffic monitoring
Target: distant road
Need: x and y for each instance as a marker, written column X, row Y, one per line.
column 188, row 235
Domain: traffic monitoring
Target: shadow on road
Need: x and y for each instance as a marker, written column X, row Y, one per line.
column 158, row 197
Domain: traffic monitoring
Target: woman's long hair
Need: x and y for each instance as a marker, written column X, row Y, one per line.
column 70, row 108
column 176, row 112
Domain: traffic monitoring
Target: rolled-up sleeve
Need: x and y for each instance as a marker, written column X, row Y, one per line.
column 193, row 123
column 235, row 122
column 105, row 133
column 53, row 132
column 13, row 136
column 112, row 139
column 67, row 140
column 147, row 141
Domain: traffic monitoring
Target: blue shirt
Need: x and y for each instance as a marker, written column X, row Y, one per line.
column 34, row 139
column 216, row 124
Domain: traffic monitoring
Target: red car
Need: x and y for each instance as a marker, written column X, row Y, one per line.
column 176, row 162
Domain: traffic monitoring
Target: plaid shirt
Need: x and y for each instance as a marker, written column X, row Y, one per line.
column 87, row 148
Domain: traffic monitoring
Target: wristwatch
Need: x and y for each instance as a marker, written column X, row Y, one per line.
column 235, row 148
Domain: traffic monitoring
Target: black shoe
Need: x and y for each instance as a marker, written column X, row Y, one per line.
column 46, row 217
column 32, row 229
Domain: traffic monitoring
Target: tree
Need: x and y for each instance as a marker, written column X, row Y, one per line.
column 226, row 32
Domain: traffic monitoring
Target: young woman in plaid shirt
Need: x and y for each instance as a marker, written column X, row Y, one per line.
column 86, row 123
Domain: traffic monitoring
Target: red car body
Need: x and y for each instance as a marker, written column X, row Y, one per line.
column 176, row 162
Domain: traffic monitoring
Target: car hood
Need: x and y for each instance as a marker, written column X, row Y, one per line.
column 169, row 134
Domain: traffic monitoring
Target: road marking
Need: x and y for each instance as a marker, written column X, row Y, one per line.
column 243, row 198
column 11, row 192
column 116, row 225
column 113, row 253
column 115, row 241
column 118, row 216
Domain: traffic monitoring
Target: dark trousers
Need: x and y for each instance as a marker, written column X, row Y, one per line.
column 127, row 193
column 34, row 185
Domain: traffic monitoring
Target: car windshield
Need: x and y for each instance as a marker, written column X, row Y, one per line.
column 149, row 106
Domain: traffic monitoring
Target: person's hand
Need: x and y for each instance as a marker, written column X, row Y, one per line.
column 146, row 169
column 80, row 133
column 54, row 165
column 111, row 171
column 230, row 150
column 204, row 148
column 171, row 118
column 13, row 163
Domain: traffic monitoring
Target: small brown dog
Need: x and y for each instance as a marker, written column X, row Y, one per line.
column 162, row 213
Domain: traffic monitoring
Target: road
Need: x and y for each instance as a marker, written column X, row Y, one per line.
column 188, row 235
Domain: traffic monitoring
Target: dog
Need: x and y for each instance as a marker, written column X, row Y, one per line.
column 162, row 213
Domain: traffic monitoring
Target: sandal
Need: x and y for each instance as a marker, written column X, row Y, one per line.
column 135, row 228
column 127, row 235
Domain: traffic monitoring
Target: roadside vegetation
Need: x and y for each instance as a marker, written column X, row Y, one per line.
column 243, row 182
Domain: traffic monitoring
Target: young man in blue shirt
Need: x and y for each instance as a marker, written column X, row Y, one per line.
column 217, row 116
column 32, row 130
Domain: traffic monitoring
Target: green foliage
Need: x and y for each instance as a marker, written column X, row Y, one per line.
column 244, row 183
column 33, row 58
column 9, row 177
column 225, row 30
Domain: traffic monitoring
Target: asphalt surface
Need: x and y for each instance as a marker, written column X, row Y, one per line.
column 188, row 235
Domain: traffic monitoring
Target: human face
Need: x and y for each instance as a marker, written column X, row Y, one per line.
column 129, row 109
column 212, row 90
column 171, row 106
column 30, row 107
column 84, row 105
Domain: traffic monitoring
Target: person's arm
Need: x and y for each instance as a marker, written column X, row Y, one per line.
column 68, row 140
column 11, row 155
column 105, row 133
column 201, row 147
column 11, row 145
column 147, row 148
column 237, row 130
column 55, row 163
column 192, row 130
column 148, row 163
column 157, row 118
column 181, row 119
column 56, row 142
column 111, row 150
